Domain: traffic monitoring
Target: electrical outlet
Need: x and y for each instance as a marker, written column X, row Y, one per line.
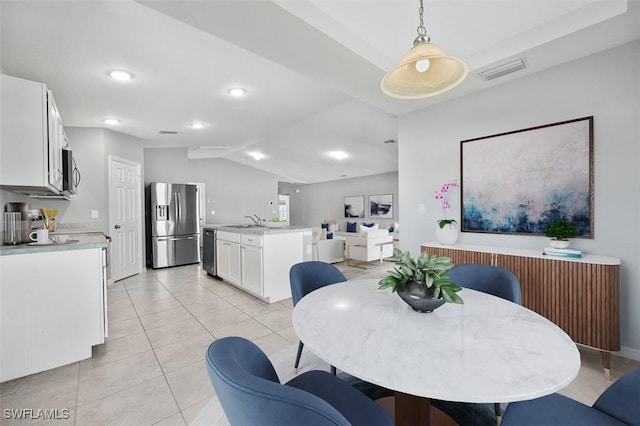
column 95, row 214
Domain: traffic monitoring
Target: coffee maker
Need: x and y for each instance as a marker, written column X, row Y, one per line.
column 17, row 224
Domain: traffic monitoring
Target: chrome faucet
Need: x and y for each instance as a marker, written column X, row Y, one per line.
column 256, row 223
column 255, row 219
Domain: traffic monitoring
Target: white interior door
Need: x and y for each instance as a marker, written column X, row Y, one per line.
column 125, row 221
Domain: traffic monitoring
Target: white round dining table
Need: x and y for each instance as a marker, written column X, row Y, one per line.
column 486, row 350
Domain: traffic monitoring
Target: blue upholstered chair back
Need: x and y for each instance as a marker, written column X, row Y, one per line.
column 489, row 279
column 251, row 394
column 306, row 277
column 621, row 400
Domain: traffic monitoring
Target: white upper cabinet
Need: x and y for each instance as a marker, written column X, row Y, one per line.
column 32, row 138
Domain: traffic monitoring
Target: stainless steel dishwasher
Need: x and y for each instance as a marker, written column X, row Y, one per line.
column 209, row 261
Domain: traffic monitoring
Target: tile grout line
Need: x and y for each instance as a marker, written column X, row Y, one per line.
column 155, row 355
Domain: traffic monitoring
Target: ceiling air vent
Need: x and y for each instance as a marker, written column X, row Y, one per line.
column 504, row 69
column 168, row 132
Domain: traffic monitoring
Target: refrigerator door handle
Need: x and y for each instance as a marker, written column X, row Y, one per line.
column 176, row 238
column 176, row 207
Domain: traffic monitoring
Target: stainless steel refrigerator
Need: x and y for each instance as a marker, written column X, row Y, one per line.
column 173, row 230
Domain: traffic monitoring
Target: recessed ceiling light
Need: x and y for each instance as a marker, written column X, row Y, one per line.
column 257, row 155
column 112, row 121
column 237, row 91
column 338, row 155
column 197, row 125
column 120, row 75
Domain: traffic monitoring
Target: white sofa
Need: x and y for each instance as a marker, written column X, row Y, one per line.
column 368, row 246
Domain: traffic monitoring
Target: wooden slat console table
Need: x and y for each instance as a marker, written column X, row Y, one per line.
column 581, row 296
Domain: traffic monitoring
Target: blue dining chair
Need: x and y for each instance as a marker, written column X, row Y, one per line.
column 619, row 404
column 489, row 279
column 306, row 277
column 250, row 392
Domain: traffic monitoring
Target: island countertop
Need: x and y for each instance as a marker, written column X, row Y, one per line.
column 258, row 230
column 76, row 242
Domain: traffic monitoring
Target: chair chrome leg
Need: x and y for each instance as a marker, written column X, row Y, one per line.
column 295, row 366
column 498, row 410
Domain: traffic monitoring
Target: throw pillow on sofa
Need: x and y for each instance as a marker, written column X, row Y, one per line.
column 352, row 226
column 366, row 229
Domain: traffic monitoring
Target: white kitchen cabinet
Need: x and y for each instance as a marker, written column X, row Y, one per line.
column 252, row 266
column 228, row 257
column 32, row 138
column 52, row 309
column 265, row 258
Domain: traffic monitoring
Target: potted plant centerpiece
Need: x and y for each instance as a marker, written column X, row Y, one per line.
column 447, row 229
column 423, row 283
column 559, row 232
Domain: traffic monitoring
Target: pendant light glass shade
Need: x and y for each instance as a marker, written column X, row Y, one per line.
column 424, row 71
column 406, row 81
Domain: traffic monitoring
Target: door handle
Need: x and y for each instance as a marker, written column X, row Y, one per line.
column 117, row 227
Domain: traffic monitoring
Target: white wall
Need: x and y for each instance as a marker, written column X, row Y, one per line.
column 314, row 203
column 91, row 148
column 607, row 86
column 232, row 190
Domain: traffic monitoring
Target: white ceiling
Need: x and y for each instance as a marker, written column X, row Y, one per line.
column 312, row 68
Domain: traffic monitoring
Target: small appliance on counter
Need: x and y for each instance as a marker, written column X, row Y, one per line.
column 19, row 222
column 12, row 228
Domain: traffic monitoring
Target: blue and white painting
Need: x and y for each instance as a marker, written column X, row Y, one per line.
column 354, row 206
column 518, row 182
column 381, row 206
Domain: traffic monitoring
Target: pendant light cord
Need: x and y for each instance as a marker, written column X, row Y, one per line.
column 422, row 31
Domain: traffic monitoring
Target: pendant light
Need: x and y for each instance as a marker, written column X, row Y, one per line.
column 424, row 71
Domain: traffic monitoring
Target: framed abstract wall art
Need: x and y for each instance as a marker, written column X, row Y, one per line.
column 516, row 182
column 381, row 206
column 354, row 206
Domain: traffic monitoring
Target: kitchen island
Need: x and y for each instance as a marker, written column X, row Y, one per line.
column 53, row 302
column 257, row 259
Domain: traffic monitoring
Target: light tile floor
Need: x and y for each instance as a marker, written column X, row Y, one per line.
column 151, row 369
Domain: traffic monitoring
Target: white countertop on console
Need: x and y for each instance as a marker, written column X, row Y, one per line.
column 586, row 258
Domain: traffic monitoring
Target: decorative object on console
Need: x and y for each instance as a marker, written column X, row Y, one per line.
column 354, row 206
column 424, row 71
column 516, row 182
column 381, row 206
column 562, row 252
column 423, row 283
column 559, row 232
column 447, row 229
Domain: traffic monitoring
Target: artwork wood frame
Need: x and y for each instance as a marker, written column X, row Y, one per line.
column 381, row 206
column 354, row 206
column 516, row 182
